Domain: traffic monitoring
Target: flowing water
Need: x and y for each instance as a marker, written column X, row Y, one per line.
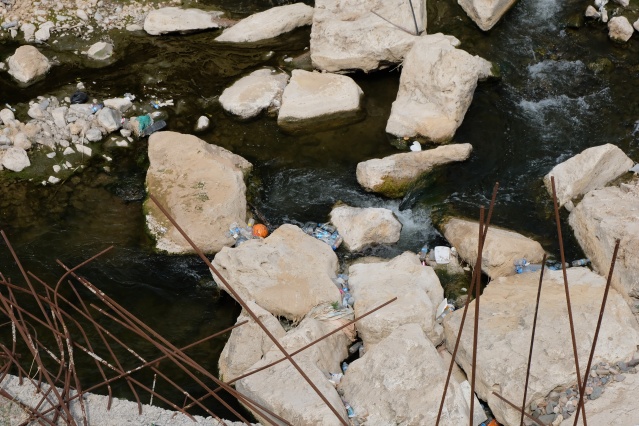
column 561, row 90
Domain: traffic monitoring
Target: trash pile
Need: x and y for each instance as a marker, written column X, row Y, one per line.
column 324, row 232
column 440, row 255
column 522, row 265
column 342, row 285
column 443, row 309
column 251, row 231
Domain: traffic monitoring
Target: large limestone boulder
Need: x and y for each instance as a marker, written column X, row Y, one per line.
column 393, row 175
column 248, row 343
column 616, row 406
column 435, row 89
column 620, row 29
column 250, row 95
column 361, row 227
column 486, row 13
column 173, row 19
column 401, row 381
column 591, row 169
column 315, row 100
column 416, row 287
column 269, row 24
column 27, row 64
column 505, row 324
column 603, row 216
column 287, row 273
column 347, row 35
column 202, row 186
column 501, row 249
column 15, row 159
column 283, row 390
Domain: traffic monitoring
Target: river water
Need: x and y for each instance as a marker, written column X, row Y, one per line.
column 561, row 90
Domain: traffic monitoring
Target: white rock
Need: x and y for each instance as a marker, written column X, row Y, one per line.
column 623, row 3
column 254, row 93
column 269, row 23
column 591, row 169
column 110, row 119
column 83, row 149
column 7, row 117
column 53, row 180
column 56, row 168
column 293, row 398
column 636, row 25
column 416, row 287
column 393, row 175
column 486, row 13
column 435, row 89
column 44, row 32
column 20, row 140
column 27, row 64
column 202, row 123
column 173, row 19
column 201, row 185
column 28, row 31
column 401, row 381
column 287, row 273
column 319, row 100
column 68, row 151
column 501, row 248
column 15, row 159
column 361, row 227
column 347, row 35
column 479, row 415
column 248, row 343
column 121, row 104
column 82, row 14
column 93, row 134
column 505, row 323
column 619, row 29
column 100, row 51
column 59, row 115
column 603, row 216
column 591, row 12
column 604, row 15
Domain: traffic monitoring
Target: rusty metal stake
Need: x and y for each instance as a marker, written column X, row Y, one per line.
column 582, row 390
column 532, row 341
column 476, row 326
column 563, row 268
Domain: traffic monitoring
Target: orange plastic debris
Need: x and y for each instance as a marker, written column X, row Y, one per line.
column 260, row 230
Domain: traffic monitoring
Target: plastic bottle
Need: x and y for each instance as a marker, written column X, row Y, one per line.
column 520, row 262
column 423, row 253
column 580, row 262
column 531, row 267
column 355, row 347
column 349, row 410
column 251, row 222
column 328, row 227
column 96, row 107
column 344, row 367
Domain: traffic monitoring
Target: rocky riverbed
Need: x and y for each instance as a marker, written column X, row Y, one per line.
column 293, row 91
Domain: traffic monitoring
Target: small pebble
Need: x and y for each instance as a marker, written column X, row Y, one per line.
column 620, row 377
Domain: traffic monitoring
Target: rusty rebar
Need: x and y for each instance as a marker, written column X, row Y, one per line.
column 412, row 10
column 476, row 326
column 567, row 290
column 532, row 341
column 241, row 301
column 582, row 390
column 476, row 270
column 539, row 422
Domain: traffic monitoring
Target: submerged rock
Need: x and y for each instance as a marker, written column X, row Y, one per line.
column 486, row 13
column 501, row 248
column 287, row 273
column 201, row 185
column 506, row 315
column 100, row 51
column 435, row 89
column 591, row 169
column 349, row 36
column 250, row 95
column 603, row 216
column 315, row 100
column 393, row 175
column 416, row 287
column 269, row 23
column 401, row 380
column 173, row 19
column 27, row 64
column 361, row 227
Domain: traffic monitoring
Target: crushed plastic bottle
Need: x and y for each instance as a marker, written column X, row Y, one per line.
column 355, row 347
column 344, row 367
column 531, row 267
column 580, row 262
column 349, row 410
column 324, row 232
column 520, row 264
column 423, row 254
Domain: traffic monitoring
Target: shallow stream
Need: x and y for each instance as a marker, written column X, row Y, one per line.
column 562, row 89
